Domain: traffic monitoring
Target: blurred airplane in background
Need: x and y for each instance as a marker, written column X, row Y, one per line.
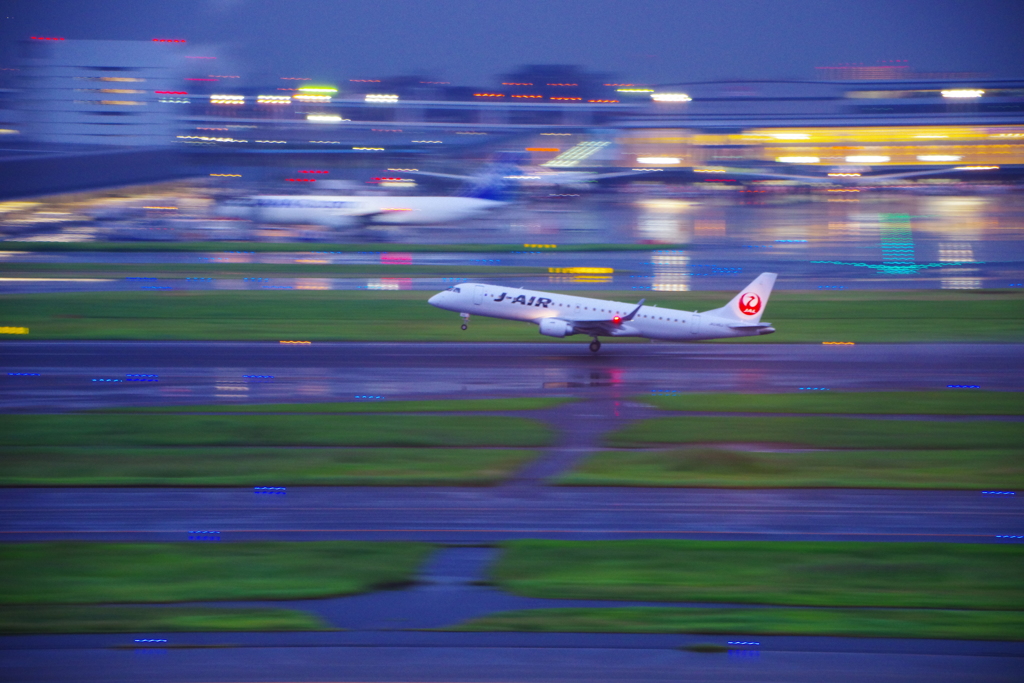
column 484, row 194
column 561, row 315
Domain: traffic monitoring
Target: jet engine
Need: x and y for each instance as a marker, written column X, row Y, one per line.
column 553, row 327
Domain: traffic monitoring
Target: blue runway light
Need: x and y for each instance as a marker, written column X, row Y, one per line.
column 831, row 286
column 813, row 389
column 204, row 536
column 963, row 386
column 258, row 376
column 150, row 640
column 665, row 392
column 742, row 642
column 1008, row 536
column 370, row 397
column 270, row 490
column 999, row 493
column 141, row 378
column 23, row 374
column 107, row 380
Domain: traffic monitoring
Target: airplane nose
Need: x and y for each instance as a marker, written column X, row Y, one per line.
column 434, row 299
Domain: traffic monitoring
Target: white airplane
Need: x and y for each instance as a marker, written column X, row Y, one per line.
column 336, row 211
column 485, row 193
column 561, row 315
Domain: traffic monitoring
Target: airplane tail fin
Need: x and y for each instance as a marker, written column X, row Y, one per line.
column 748, row 305
column 495, row 183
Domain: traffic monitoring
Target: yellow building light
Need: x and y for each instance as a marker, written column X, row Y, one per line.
column 798, row 160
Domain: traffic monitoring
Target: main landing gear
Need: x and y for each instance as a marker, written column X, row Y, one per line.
column 595, row 345
column 465, row 320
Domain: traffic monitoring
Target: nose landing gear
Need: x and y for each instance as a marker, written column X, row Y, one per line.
column 465, row 320
column 595, row 345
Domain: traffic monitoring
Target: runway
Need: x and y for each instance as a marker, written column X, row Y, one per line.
column 59, row 376
column 476, row 515
column 608, row 384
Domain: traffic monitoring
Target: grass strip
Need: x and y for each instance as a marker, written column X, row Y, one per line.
column 826, row 574
column 437, row 406
column 129, row 429
column 106, row 466
column 875, row 402
column 719, row 467
column 70, row 572
column 881, row 623
column 26, row 619
column 320, row 247
column 405, row 316
column 822, row 432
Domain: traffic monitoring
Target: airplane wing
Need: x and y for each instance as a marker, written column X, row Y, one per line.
column 442, row 175
column 586, row 323
column 826, row 179
column 619, row 174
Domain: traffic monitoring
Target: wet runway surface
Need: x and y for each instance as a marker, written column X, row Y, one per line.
column 378, row 647
column 398, row 656
column 55, row 376
column 453, row 515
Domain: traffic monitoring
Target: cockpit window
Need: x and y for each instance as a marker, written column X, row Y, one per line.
column 454, row 289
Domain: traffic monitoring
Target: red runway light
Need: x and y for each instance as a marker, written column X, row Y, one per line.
column 44, row 38
column 167, row 40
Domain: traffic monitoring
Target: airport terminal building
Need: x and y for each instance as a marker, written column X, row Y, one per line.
column 139, row 102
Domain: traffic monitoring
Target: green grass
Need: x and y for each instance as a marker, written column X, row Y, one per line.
column 437, row 406
column 949, row 402
column 822, row 432
column 826, row 574
column 405, row 316
column 314, row 247
column 719, row 467
column 883, row 623
column 70, row 572
column 232, row 466
column 171, row 430
column 22, row 619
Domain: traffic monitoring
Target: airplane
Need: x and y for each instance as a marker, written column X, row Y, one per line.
column 542, row 177
column 561, row 315
column 484, row 194
column 510, row 166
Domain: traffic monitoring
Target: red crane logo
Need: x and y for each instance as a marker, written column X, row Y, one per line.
column 750, row 303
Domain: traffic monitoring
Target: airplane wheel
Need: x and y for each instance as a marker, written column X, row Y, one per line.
column 595, row 346
column 465, row 326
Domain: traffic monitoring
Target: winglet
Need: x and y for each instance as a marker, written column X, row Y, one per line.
column 627, row 318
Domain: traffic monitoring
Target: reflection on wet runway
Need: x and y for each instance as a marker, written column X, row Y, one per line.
column 77, row 375
column 888, row 241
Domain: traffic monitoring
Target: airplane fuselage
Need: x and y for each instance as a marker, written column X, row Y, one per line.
column 342, row 210
column 561, row 315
